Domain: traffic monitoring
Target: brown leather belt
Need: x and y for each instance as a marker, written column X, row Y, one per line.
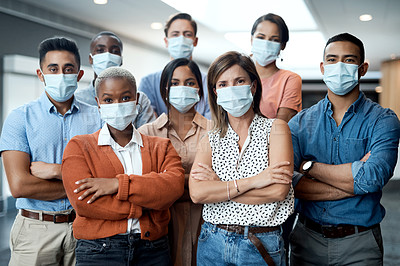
column 333, row 231
column 238, row 229
column 55, row 218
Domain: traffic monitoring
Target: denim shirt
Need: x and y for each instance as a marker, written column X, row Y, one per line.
column 366, row 126
column 39, row 130
column 150, row 85
column 145, row 111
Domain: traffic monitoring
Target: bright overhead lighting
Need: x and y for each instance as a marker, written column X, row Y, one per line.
column 366, row 17
column 156, row 25
column 100, row 2
column 378, row 89
column 238, row 19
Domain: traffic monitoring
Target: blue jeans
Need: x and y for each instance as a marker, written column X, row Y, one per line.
column 122, row 250
column 220, row 247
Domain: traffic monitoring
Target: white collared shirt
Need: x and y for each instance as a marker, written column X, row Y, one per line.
column 130, row 157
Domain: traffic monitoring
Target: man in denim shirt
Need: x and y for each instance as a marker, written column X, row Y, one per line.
column 106, row 51
column 345, row 148
column 32, row 144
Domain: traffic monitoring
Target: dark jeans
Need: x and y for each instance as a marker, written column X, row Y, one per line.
column 122, row 250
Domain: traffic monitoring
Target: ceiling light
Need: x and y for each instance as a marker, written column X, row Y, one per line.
column 100, row 2
column 208, row 13
column 156, row 25
column 366, row 17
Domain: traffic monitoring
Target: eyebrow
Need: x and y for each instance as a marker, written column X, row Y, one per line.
column 346, row 56
column 52, row 65
column 69, row 65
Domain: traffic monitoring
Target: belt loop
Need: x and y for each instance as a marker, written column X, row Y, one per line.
column 213, row 227
column 40, row 215
column 246, row 232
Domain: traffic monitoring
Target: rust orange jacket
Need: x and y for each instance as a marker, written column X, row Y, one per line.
column 146, row 197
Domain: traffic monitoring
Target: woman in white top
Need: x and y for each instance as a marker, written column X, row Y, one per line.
column 242, row 172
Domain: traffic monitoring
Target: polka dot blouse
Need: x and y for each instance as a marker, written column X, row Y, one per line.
column 230, row 164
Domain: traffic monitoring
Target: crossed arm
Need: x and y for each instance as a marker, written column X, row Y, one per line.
column 327, row 182
column 270, row 185
column 36, row 180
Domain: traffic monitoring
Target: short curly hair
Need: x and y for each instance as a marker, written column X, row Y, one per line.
column 114, row 73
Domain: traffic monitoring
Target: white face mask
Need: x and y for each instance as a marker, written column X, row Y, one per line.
column 60, row 87
column 180, row 47
column 341, row 78
column 235, row 100
column 265, row 52
column 105, row 60
column 118, row 115
column 183, row 98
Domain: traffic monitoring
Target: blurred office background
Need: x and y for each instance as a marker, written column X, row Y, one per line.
column 223, row 25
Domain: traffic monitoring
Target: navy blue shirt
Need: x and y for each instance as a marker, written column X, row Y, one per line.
column 366, row 126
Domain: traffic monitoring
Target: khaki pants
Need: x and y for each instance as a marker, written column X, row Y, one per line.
column 34, row 242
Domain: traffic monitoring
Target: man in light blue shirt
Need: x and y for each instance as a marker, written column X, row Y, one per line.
column 106, row 51
column 345, row 147
column 180, row 39
column 32, row 144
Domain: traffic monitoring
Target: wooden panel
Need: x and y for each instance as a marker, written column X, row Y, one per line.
column 390, row 82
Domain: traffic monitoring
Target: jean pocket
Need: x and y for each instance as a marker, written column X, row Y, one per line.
column 272, row 242
column 90, row 247
column 204, row 234
column 161, row 243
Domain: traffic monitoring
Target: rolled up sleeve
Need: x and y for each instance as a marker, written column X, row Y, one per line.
column 371, row 176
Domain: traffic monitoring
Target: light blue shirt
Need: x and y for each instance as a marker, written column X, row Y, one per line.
column 145, row 111
column 150, row 85
column 366, row 126
column 39, row 130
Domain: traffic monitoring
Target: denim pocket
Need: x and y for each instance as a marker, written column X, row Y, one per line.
column 89, row 247
column 161, row 243
column 204, row 233
column 272, row 242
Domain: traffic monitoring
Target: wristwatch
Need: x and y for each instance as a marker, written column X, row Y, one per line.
column 307, row 166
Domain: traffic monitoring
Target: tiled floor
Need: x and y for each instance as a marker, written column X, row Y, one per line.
column 390, row 227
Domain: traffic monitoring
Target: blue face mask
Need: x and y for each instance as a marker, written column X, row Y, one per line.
column 118, row 115
column 180, row 47
column 183, row 98
column 265, row 52
column 60, row 87
column 105, row 60
column 236, row 100
column 341, row 78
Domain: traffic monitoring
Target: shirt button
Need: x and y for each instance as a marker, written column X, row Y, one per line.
column 324, row 210
column 65, row 139
column 334, row 139
column 147, row 234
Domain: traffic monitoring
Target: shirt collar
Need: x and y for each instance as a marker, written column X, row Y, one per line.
column 198, row 120
column 353, row 107
column 105, row 138
column 49, row 106
column 162, row 121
